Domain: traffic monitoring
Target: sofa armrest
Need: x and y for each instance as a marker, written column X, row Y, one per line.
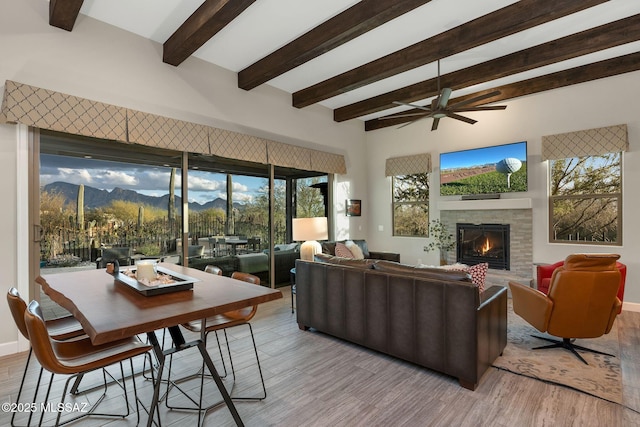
column 387, row 256
column 491, row 331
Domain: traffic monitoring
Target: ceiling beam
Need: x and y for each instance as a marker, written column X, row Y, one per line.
column 63, row 13
column 211, row 17
column 603, row 37
column 353, row 22
column 519, row 16
column 585, row 73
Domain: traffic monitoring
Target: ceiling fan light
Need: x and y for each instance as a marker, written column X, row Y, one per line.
column 439, row 115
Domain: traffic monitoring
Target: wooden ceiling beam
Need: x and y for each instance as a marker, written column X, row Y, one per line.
column 63, row 13
column 603, row 37
column 517, row 17
column 597, row 70
column 211, row 17
column 353, row 22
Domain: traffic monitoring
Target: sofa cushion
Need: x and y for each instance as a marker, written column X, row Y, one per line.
column 253, row 263
column 355, row 249
column 343, row 251
column 350, row 262
column 427, row 272
column 286, row 247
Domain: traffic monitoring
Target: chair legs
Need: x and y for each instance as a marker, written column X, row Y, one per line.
column 200, row 374
column 233, row 372
column 63, row 406
column 199, row 405
column 35, row 393
column 567, row 345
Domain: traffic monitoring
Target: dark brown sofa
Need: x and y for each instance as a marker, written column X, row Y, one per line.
column 434, row 318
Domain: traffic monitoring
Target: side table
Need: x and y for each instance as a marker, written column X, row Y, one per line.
column 292, row 274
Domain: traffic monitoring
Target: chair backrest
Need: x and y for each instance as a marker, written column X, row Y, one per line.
column 254, row 243
column 246, row 313
column 213, row 269
column 121, row 254
column 195, row 251
column 18, row 307
column 584, row 298
column 41, row 342
column 245, row 277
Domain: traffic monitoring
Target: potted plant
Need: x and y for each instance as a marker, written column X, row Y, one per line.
column 441, row 239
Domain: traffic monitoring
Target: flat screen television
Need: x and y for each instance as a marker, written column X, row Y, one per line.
column 487, row 170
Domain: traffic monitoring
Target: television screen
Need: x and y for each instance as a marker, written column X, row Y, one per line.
column 486, row 170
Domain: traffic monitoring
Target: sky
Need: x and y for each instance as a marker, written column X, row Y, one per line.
column 482, row 156
column 148, row 180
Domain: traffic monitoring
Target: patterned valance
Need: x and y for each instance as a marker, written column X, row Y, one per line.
column 163, row 132
column 592, row 142
column 46, row 109
column 408, row 165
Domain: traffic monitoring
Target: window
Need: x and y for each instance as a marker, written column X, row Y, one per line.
column 410, row 204
column 585, row 203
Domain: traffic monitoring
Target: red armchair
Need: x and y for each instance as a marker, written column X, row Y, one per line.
column 544, row 272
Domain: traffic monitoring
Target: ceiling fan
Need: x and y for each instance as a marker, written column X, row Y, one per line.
column 440, row 109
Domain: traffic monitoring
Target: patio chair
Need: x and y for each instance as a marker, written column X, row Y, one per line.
column 121, row 254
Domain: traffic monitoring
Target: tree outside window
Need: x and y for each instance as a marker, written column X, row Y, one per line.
column 411, row 205
column 585, row 203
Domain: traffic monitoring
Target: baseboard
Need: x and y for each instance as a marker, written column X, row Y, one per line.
column 631, row 306
column 8, row 348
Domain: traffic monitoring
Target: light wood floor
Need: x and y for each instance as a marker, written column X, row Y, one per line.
column 315, row 380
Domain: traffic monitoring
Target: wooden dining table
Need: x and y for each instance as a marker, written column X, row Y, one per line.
column 109, row 310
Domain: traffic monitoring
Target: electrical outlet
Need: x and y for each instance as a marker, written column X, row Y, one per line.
column 425, row 249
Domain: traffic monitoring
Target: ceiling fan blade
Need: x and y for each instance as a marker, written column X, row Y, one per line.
column 413, row 121
column 444, row 96
column 483, row 108
column 412, row 105
column 475, row 99
column 434, row 126
column 461, row 118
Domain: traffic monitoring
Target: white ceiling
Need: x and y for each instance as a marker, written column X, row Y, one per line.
column 269, row 24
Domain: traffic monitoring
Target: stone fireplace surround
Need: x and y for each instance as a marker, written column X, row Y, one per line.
column 521, row 237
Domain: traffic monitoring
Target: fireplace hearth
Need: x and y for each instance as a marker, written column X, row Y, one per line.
column 477, row 243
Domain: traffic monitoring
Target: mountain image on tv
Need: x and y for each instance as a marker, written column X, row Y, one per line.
column 486, row 170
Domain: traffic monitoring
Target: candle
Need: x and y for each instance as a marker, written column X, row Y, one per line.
column 146, row 270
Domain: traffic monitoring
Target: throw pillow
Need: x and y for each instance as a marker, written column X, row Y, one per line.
column 343, row 251
column 477, row 272
column 355, row 249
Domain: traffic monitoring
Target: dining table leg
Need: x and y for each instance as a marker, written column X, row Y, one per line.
column 179, row 344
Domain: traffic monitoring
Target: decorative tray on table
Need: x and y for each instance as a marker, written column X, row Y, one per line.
column 166, row 281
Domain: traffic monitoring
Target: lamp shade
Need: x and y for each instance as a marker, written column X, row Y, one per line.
column 310, row 229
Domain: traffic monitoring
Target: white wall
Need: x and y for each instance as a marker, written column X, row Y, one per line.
column 99, row 62
column 595, row 104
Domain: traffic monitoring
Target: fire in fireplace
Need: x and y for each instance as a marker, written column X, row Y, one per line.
column 476, row 243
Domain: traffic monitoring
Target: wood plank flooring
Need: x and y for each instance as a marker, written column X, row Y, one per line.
column 315, row 380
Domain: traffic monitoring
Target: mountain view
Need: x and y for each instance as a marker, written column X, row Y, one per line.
column 96, row 198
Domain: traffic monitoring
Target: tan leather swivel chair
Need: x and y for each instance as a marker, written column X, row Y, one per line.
column 581, row 302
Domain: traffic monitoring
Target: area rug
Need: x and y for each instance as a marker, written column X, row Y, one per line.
column 601, row 378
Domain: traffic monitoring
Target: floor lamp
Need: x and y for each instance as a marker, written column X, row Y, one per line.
column 309, row 231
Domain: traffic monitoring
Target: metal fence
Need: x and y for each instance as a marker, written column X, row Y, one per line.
column 63, row 244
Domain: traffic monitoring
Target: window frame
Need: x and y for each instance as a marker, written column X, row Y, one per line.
column 395, row 204
column 617, row 196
